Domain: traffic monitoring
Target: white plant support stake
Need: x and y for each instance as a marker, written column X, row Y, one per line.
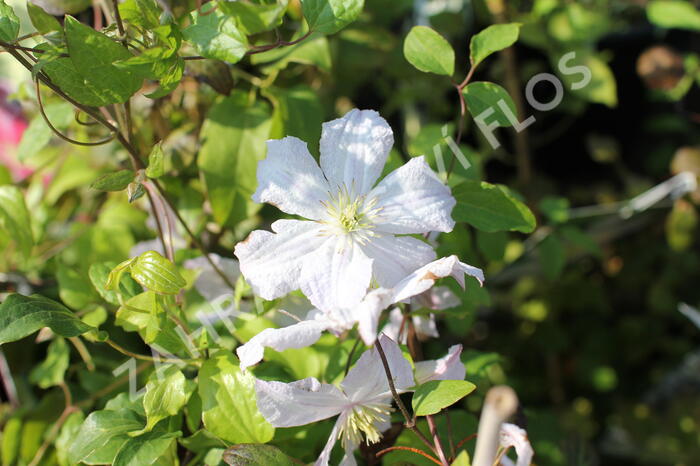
column 500, row 404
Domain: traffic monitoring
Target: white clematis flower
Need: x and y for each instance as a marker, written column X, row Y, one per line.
column 365, row 314
column 350, row 235
column 448, row 367
column 437, row 299
column 362, row 402
column 514, row 436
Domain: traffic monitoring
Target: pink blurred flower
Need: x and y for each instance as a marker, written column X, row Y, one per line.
column 12, row 126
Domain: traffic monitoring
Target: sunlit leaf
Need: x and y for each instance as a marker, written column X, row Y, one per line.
column 429, row 51
column 330, row 16
column 431, row 397
column 492, row 39
column 491, row 207
column 23, row 315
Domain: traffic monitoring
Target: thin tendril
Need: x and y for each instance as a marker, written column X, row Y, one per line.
column 58, row 133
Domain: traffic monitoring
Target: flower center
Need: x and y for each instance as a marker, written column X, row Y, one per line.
column 363, row 419
column 349, row 214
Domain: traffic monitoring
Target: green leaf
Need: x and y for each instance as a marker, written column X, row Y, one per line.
column 156, row 273
column 14, row 218
column 482, row 96
column 433, row 396
column 229, row 408
column 462, row 459
column 255, row 18
column 38, row 134
column 23, row 315
column 165, row 395
column 144, row 13
column 93, row 55
column 330, row 16
column 492, row 39
column 491, row 208
column 155, row 162
column 216, row 35
column 256, row 454
column 429, row 51
column 601, row 89
column 99, row 274
column 73, row 288
column 116, row 181
column 143, row 314
column 145, row 449
column 552, row 256
column 9, row 23
column 52, row 369
column 234, row 136
column 170, row 74
column 299, row 113
column 674, row 14
column 65, row 75
column 11, row 440
column 41, row 20
column 102, row 435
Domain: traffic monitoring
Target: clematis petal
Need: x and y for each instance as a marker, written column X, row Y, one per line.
column 336, row 275
column 298, row 403
column 290, row 179
column 354, row 149
column 392, row 329
column 271, row 262
column 367, row 380
column 449, row 367
column 299, row 335
column 425, row 326
column 325, row 455
column 412, row 199
column 513, row 436
column 437, row 298
column 368, row 312
column 209, row 284
column 425, row 277
column 397, row 256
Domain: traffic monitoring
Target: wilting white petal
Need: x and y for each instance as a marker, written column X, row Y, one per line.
column 336, row 275
column 299, row 335
column 368, row 312
column 412, row 199
column 271, row 262
column 209, row 284
column 513, row 436
column 448, row 367
column 354, row 149
column 425, row 277
column 425, row 326
column 291, row 180
column 392, row 329
column 349, row 456
column 325, row 455
column 396, row 257
column 298, row 403
column 367, row 380
column 437, row 299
